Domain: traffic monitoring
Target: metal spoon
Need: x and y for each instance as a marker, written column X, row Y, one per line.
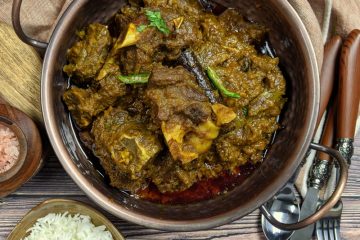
column 285, row 208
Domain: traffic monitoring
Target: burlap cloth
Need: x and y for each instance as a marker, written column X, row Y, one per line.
column 322, row 18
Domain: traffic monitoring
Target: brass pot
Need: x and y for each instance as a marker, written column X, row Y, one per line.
column 60, row 206
column 293, row 46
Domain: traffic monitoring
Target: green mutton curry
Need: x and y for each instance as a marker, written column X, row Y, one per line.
column 170, row 94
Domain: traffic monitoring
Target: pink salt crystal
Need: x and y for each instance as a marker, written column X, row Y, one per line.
column 9, row 148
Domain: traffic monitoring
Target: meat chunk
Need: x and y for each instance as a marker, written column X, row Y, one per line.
column 246, row 142
column 135, row 60
column 84, row 104
column 125, row 147
column 123, row 17
column 87, row 56
column 190, row 8
column 187, row 118
column 172, row 91
column 172, row 176
column 248, row 32
column 79, row 103
column 124, row 49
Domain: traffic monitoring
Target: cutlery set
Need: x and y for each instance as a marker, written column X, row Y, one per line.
column 340, row 96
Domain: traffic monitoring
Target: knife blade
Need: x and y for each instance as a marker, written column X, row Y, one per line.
column 317, row 179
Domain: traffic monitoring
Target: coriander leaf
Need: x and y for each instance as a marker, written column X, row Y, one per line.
column 141, row 27
column 157, row 21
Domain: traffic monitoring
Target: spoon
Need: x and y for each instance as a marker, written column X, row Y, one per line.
column 285, row 208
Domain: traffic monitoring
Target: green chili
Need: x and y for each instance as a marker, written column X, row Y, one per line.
column 215, row 79
column 245, row 111
column 135, row 78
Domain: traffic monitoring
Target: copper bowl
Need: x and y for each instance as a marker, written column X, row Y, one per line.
column 292, row 44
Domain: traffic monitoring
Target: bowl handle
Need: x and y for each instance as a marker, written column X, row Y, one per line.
column 335, row 197
column 15, row 15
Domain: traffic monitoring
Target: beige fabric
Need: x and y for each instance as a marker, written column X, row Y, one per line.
column 309, row 19
column 37, row 16
column 345, row 15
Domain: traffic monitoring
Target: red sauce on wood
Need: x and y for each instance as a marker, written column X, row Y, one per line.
column 202, row 190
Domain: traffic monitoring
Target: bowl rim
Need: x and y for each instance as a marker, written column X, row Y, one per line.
column 141, row 219
column 65, row 202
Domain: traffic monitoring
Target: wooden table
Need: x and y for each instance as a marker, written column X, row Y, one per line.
column 53, row 182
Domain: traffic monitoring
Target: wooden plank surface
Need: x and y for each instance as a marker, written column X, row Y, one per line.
column 53, row 182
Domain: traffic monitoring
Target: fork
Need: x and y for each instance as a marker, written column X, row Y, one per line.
column 328, row 228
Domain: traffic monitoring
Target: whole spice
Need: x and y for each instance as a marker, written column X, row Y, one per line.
column 9, row 148
column 189, row 61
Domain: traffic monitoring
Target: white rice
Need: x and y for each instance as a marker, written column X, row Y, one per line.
column 66, row 227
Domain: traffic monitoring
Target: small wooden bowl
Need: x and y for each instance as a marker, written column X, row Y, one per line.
column 30, row 157
column 61, row 206
column 22, row 149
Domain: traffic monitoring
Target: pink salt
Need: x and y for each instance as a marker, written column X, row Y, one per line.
column 9, row 148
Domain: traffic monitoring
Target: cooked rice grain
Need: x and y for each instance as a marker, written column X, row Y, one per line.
column 67, row 227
